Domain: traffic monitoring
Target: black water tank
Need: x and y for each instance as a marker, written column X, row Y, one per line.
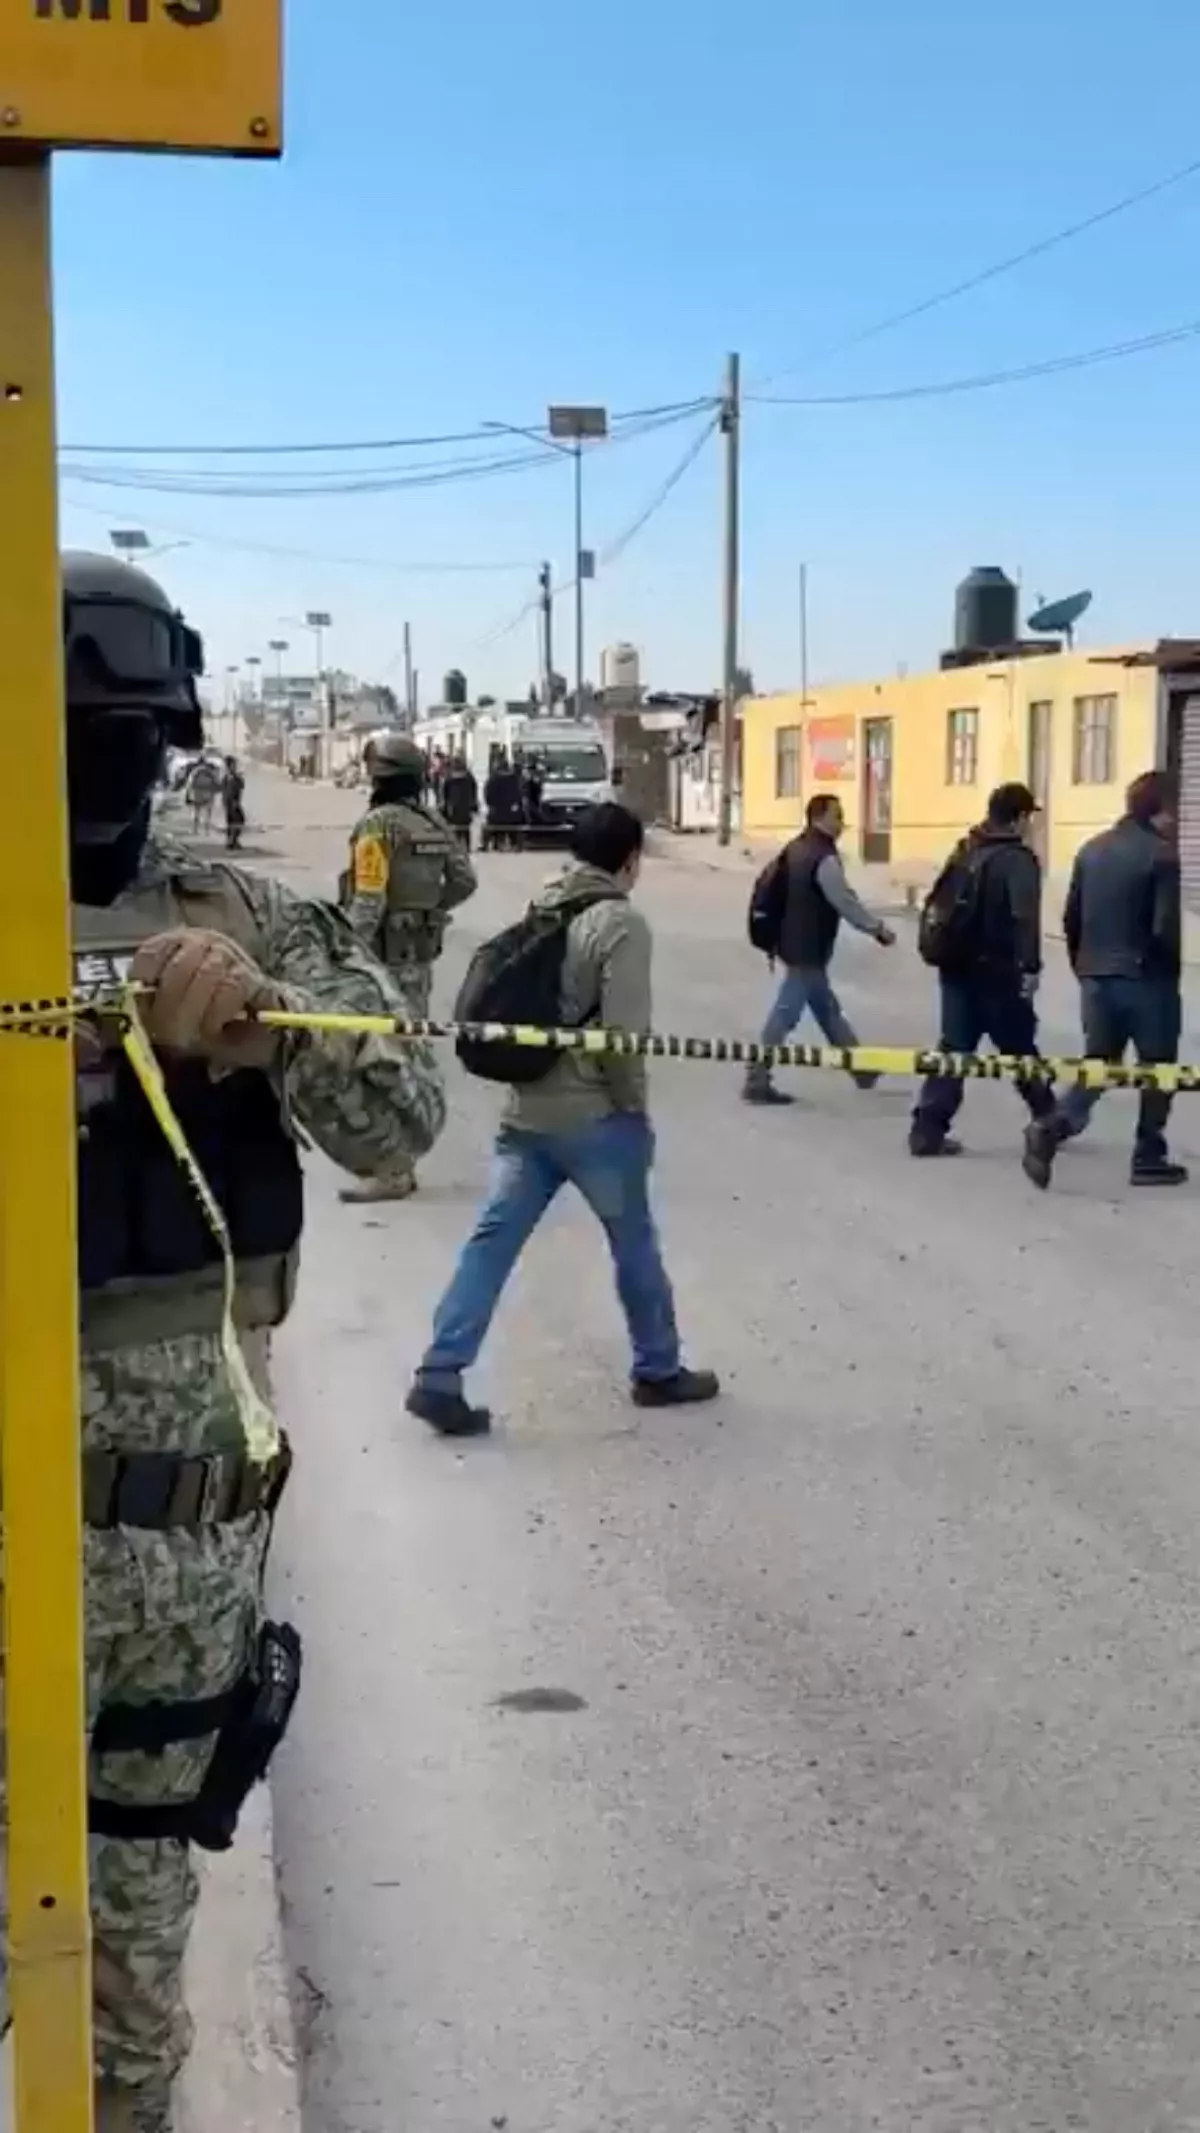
column 985, row 611
column 454, row 688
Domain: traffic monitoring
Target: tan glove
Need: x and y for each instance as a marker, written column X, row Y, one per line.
column 201, row 988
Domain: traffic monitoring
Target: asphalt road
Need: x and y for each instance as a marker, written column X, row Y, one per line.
column 873, row 1802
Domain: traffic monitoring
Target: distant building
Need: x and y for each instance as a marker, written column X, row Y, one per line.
column 913, row 757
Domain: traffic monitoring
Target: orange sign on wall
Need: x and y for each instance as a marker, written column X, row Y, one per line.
column 832, row 746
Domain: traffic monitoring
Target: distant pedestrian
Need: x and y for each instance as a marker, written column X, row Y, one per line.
column 533, row 785
column 460, row 799
column 797, row 912
column 502, row 801
column 1124, row 926
column 233, row 802
column 981, row 930
column 203, row 788
column 573, row 1119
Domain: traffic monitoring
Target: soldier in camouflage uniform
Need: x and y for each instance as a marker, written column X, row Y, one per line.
column 407, row 872
column 178, row 1497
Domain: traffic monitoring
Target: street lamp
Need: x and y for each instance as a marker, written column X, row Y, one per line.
column 131, row 541
column 577, row 424
column 318, row 623
column 568, row 429
column 255, row 666
column 279, row 645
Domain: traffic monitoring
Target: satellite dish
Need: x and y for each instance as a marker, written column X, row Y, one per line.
column 1058, row 619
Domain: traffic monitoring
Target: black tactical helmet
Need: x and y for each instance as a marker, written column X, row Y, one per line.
column 127, row 648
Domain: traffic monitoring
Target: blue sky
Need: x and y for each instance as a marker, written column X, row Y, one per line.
column 483, row 208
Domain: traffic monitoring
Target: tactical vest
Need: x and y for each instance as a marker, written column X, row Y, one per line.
column 149, row 1265
column 418, row 847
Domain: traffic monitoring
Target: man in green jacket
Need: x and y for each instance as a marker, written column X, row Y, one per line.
column 586, row 1124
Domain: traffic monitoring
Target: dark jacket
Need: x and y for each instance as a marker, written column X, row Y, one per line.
column 460, row 798
column 810, row 923
column 1007, row 940
column 1123, row 917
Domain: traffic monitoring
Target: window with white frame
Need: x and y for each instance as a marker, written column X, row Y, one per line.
column 962, row 747
column 1094, row 741
column 787, row 762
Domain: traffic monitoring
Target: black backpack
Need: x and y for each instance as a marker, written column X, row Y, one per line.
column 949, row 925
column 768, row 902
column 516, row 977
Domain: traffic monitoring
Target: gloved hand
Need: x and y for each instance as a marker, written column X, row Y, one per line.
column 201, row 988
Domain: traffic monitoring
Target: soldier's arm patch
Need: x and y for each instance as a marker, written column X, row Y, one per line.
column 370, row 867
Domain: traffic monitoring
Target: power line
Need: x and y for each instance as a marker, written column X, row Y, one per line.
column 998, row 267
column 615, row 548
column 249, row 485
column 483, row 433
column 311, row 555
column 1114, row 352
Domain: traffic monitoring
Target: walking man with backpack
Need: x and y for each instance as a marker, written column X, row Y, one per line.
column 981, row 930
column 796, row 914
column 580, row 955
column 1124, row 932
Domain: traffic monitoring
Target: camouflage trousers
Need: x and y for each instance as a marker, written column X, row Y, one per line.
column 416, row 982
column 170, row 1618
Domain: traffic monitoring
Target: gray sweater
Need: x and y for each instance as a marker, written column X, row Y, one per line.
column 606, row 975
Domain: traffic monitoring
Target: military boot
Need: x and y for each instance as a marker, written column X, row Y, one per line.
column 375, row 1192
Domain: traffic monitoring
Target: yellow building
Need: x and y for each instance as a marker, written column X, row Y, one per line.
column 913, row 758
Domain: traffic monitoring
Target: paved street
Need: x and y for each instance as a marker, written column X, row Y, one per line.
column 870, row 1797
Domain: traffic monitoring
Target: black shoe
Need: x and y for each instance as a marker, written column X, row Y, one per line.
column 688, row 1388
column 866, row 1080
column 448, row 1412
column 1041, row 1146
column 918, row 1145
column 1158, row 1172
column 766, row 1093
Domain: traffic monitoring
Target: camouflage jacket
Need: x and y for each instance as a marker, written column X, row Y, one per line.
column 364, row 1100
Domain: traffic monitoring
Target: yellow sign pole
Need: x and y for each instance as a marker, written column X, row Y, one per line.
column 201, row 76
column 39, row 1443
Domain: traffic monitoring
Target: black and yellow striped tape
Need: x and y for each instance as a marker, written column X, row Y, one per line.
column 54, row 1018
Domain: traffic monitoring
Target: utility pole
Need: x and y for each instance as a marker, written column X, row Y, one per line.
column 409, row 700
column 545, row 581
column 579, row 576
column 731, row 426
column 803, row 636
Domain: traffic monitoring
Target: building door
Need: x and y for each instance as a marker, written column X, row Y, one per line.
column 1039, row 757
column 1184, row 759
column 877, row 791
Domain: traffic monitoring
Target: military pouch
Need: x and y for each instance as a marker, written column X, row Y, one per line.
column 249, row 1721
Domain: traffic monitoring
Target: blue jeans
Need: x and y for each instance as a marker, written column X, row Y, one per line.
column 811, row 989
column 972, row 1009
column 1117, row 1013
column 609, row 1162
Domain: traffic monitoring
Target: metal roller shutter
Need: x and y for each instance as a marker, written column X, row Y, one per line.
column 1189, row 800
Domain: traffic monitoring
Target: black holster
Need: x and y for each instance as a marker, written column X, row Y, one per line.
column 249, row 1722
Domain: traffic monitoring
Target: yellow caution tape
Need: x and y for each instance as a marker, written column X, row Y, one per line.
column 54, row 1018
column 738, row 1051
column 258, row 1422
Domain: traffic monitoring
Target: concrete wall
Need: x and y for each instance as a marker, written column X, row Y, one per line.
column 928, row 810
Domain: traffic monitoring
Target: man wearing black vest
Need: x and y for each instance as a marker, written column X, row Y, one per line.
column 818, row 898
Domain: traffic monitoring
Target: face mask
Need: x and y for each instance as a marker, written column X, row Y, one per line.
column 114, row 757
